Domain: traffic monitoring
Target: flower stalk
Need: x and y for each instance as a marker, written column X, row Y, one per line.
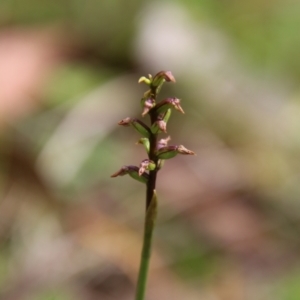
column 157, row 151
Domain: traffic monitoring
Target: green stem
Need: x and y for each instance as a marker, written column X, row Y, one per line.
column 146, row 251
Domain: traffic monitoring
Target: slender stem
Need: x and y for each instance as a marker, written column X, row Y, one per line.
column 146, row 251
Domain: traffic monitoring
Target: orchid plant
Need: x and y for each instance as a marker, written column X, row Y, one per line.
column 158, row 151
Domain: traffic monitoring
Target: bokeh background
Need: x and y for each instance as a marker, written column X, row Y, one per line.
column 229, row 218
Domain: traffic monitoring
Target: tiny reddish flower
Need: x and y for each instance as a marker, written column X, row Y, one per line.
column 148, row 104
column 132, row 171
column 166, row 75
column 163, row 142
column 164, row 105
column 146, row 164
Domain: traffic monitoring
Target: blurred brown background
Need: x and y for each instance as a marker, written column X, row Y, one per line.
column 229, row 219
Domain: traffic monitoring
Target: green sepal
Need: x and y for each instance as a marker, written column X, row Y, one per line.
column 141, row 127
column 167, row 115
column 157, row 84
column 138, row 125
column 145, row 80
column 136, row 176
column 167, row 154
column 154, row 128
column 145, row 142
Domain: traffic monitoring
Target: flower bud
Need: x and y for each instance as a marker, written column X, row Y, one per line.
column 171, row 151
column 159, row 79
column 163, row 76
column 132, row 171
column 159, row 126
column 162, row 125
column 182, row 150
column 138, row 125
column 160, row 164
column 125, row 122
column 145, row 80
column 146, row 164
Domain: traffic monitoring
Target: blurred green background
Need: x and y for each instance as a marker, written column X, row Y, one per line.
column 229, row 218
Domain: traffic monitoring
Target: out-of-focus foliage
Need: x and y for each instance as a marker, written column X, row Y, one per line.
column 266, row 32
column 228, row 224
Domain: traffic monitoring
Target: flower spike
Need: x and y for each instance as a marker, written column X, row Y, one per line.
column 158, row 151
